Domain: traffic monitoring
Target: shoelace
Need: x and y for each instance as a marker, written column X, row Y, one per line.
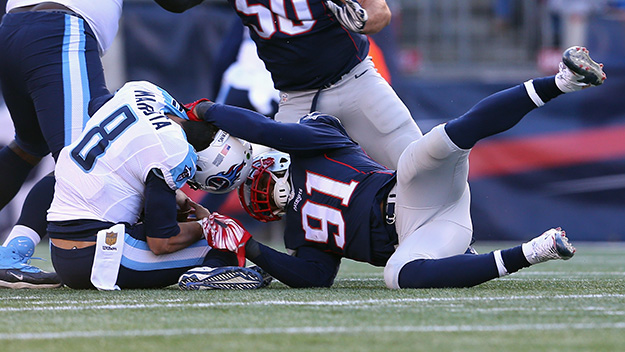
column 23, row 262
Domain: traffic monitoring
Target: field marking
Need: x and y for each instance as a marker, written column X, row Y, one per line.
column 585, row 273
column 177, row 303
column 307, row 330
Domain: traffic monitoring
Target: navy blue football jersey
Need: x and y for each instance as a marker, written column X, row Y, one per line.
column 338, row 191
column 302, row 44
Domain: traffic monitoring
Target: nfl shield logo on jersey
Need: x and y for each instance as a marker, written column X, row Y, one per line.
column 111, row 238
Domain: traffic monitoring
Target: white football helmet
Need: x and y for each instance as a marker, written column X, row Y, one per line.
column 224, row 165
column 266, row 191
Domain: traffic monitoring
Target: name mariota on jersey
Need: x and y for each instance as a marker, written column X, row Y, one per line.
column 143, row 99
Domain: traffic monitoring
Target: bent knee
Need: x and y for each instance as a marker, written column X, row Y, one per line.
column 391, row 271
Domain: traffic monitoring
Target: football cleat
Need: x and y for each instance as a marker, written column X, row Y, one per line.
column 15, row 272
column 28, row 277
column 267, row 279
column 578, row 70
column 552, row 244
column 221, row 278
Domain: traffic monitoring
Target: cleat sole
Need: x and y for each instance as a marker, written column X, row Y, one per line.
column 578, row 60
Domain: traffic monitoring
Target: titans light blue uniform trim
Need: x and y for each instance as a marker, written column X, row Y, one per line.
column 74, row 68
column 172, row 106
column 186, row 169
column 188, row 261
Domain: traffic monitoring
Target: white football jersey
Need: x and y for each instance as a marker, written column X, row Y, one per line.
column 102, row 15
column 101, row 175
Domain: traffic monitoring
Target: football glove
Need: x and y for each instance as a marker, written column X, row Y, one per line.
column 189, row 109
column 225, row 233
column 349, row 14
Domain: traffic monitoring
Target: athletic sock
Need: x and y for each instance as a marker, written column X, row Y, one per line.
column 500, row 111
column 514, row 259
column 463, row 270
column 494, row 114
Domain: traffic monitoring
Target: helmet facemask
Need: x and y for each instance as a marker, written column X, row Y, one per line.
column 266, row 191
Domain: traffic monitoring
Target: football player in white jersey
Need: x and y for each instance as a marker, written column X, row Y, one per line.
column 112, row 222
column 52, row 79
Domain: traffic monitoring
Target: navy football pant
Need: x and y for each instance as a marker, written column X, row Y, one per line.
column 50, row 69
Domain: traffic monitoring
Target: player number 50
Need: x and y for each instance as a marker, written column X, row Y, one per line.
column 266, row 25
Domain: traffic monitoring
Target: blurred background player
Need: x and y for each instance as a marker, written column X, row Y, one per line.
column 416, row 221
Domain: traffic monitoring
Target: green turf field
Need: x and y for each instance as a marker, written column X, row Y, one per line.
column 578, row 305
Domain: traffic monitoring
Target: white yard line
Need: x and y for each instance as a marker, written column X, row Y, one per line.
column 308, row 330
column 177, row 303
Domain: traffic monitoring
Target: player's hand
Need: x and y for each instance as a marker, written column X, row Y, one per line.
column 198, row 210
column 187, row 209
column 349, row 13
column 193, row 113
column 225, row 233
column 183, row 203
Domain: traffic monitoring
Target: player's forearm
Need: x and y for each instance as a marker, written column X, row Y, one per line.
column 190, row 232
column 162, row 231
column 291, row 271
column 379, row 15
column 256, row 128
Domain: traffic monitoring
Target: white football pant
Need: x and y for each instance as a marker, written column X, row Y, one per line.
column 367, row 106
column 433, row 202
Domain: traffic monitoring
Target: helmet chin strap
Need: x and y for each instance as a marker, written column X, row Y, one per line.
column 281, row 191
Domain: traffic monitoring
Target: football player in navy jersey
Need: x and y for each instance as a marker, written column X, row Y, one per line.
column 317, row 53
column 414, row 221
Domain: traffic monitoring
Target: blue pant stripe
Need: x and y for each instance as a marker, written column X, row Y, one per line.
column 75, row 79
column 137, row 256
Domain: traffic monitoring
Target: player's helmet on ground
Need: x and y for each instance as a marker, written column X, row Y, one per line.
column 267, row 189
column 224, row 165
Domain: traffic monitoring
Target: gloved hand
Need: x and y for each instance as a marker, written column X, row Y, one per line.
column 225, row 233
column 349, row 13
column 190, row 108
